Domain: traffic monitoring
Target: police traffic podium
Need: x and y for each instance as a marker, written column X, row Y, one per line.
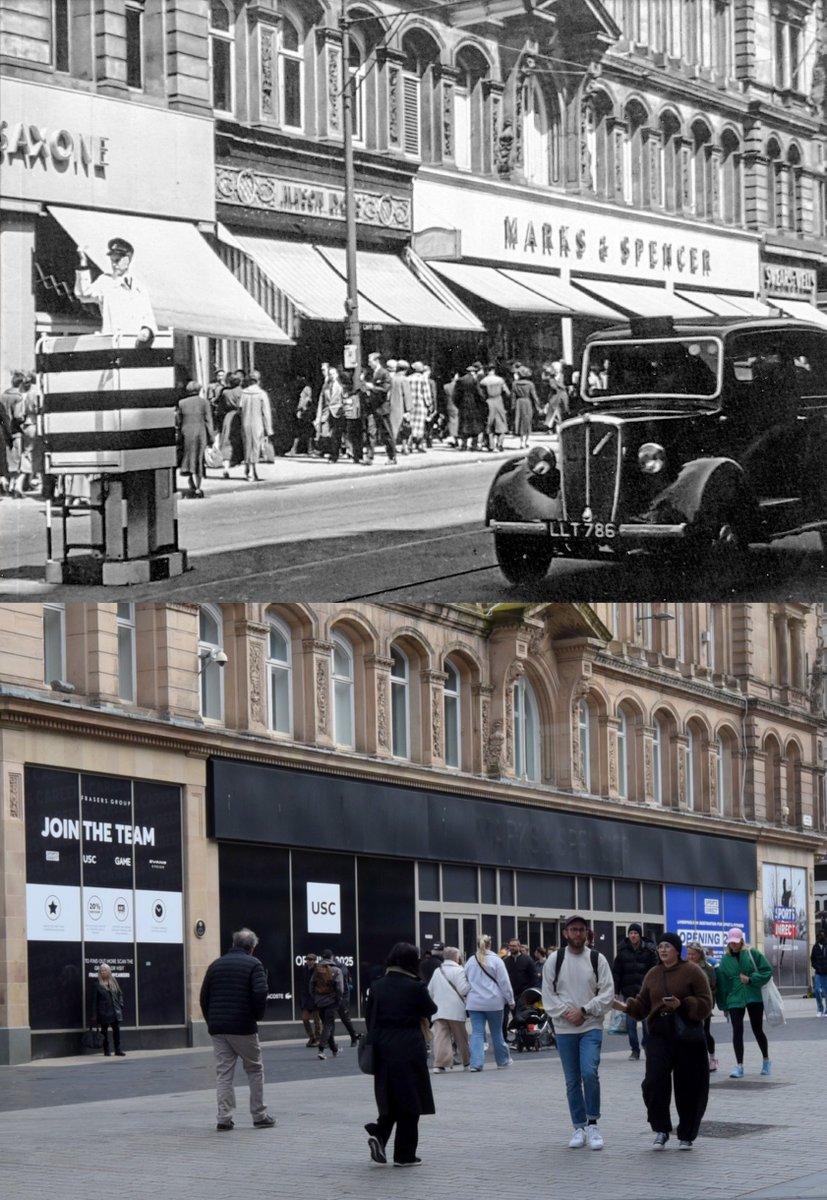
column 109, row 410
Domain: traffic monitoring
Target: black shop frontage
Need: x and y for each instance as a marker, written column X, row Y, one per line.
column 312, row 861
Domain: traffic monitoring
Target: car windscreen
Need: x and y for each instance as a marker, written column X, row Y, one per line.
column 686, row 368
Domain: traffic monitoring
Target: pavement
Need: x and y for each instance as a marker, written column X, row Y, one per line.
column 144, row 1127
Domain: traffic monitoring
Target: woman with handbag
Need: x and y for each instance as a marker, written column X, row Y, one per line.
column 675, row 1000
column 742, row 973
column 256, row 422
column 109, row 1009
column 398, row 1012
column 488, row 994
column 448, row 988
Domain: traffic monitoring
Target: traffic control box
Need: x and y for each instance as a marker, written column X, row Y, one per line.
column 109, row 413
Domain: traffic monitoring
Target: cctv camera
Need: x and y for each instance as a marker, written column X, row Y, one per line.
column 218, row 656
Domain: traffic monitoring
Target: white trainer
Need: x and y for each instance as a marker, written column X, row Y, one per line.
column 594, row 1137
column 577, row 1139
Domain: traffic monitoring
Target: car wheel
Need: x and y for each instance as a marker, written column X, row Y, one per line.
column 713, row 542
column 522, row 560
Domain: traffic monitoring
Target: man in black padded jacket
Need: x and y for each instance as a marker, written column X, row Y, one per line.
column 233, row 998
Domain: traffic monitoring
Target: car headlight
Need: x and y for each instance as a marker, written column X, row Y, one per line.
column 541, row 460
column 651, row 458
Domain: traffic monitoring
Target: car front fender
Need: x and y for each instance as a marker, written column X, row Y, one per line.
column 517, row 495
column 706, row 486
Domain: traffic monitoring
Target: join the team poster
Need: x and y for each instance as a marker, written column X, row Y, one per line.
column 103, row 884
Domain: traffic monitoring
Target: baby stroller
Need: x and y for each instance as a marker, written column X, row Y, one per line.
column 530, row 1024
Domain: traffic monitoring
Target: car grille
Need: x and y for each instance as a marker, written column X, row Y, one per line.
column 590, row 455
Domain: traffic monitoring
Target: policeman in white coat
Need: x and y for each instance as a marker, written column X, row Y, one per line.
column 123, row 300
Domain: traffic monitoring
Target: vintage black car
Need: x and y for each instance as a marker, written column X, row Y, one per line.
column 691, row 439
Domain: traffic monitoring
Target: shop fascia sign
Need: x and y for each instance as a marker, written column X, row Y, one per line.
column 789, row 281
column 29, row 144
column 261, row 190
column 571, row 243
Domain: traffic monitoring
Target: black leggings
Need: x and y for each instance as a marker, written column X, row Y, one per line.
column 710, row 1040
column 756, row 1019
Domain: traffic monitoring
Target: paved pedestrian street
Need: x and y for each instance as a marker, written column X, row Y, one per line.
column 497, row 1133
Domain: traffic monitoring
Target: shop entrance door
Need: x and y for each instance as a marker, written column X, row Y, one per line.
column 461, row 931
column 538, row 933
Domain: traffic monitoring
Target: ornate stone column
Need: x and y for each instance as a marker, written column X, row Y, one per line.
column 246, row 703
column 680, row 744
column 264, row 90
column 433, row 709
column 331, row 83
column 389, row 98
column 318, row 656
column 481, row 695
column 609, row 727
column 378, row 706
column 646, row 741
column 714, row 806
column 492, row 159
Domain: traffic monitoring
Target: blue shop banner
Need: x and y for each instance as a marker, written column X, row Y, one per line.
column 705, row 914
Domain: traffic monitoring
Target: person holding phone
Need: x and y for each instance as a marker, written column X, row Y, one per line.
column 675, row 1000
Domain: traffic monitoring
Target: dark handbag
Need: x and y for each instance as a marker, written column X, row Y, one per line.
column 365, row 1056
column 91, row 1041
column 688, row 1031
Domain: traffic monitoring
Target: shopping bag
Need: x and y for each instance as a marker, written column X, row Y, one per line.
column 267, row 453
column 91, row 1041
column 616, row 1022
column 212, row 457
column 773, row 1004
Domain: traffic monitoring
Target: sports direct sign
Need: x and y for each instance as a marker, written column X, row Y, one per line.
column 784, row 922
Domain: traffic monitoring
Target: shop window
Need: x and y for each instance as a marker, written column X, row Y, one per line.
column 627, row 895
column 623, row 755
column 507, row 888
column 126, row 652
column 652, row 898
column 488, row 885
column 291, row 75
column 221, row 57
column 211, row 671
column 526, row 732
column 62, row 34
column 602, row 895
column 54, row 642
column 453, row 718
column 731, row 179
column 279, row 674
column 460, row 885
column 135, row 45
column 584, row 894
column 400, row 704
column 343, row 692
column 584, row 734
column 545, row 891
column 429, row 881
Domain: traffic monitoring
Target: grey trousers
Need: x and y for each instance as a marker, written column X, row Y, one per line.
column 228, row 1048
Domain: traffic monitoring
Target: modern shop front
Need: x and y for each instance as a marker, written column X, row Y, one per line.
column 77, row 169
column 314, row 861
column 543, row 273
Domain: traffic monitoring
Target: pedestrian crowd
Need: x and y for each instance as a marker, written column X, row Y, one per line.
column 421, row 1005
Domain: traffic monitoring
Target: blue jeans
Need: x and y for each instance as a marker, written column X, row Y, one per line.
column 820, row 990
column 580, row 1056
column 631, row 1029
column 495, row 1029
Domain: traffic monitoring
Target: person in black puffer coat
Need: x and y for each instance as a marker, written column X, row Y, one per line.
column 109, row 1009
column 233, row 999
column 633, row 959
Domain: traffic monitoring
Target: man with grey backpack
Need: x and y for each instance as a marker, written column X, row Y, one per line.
column 448, row 988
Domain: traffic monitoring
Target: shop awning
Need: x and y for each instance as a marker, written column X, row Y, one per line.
column 386, row 278
column 802, row 310
column 727, row 305
column 314, row 278
column 575, row 302
column 497, row 288
column 640, row 301
column 190, row 288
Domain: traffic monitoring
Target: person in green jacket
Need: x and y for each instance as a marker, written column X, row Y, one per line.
column 742, row 972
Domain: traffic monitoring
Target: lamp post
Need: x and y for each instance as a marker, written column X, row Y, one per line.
column 658, row 616
column 353, row 349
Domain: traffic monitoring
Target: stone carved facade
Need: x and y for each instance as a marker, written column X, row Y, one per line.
column 268, row 58
column 382, row 710
column 256, row 664
column 494, row 750
column 15, row 793
column 436, row 721
column 322, row 694
column 334, row 88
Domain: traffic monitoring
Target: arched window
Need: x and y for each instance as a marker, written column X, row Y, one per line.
column 670, row 172
column 279, row 674
column 658, row 740
column 623, row 755
column 635, row 173
column 726, row 778
column 541, row 135
column 772, row 780
column 701, row 171
column 420, row 122
column 793, row 772
column 775, row 206
column 584, row 733
column 597, row 170
column 126, row 652
column 291, row 75
column 469, row 110
column 54, row 642
column 344, row 707
column 452, row 716
column 221, row 57
column 356, row 71
column 731, row 179
column 690, row 769
column 210, row 645
column 400, row 704
column 526, row 732
column 793, row 206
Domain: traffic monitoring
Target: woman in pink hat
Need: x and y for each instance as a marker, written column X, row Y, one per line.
column 742, row 972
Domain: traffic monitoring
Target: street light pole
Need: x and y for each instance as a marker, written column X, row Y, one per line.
column 353, row 354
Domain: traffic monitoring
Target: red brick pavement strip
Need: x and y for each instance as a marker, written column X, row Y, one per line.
column 496, row 1133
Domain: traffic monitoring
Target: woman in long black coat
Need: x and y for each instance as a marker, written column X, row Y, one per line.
column 398, row 1010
